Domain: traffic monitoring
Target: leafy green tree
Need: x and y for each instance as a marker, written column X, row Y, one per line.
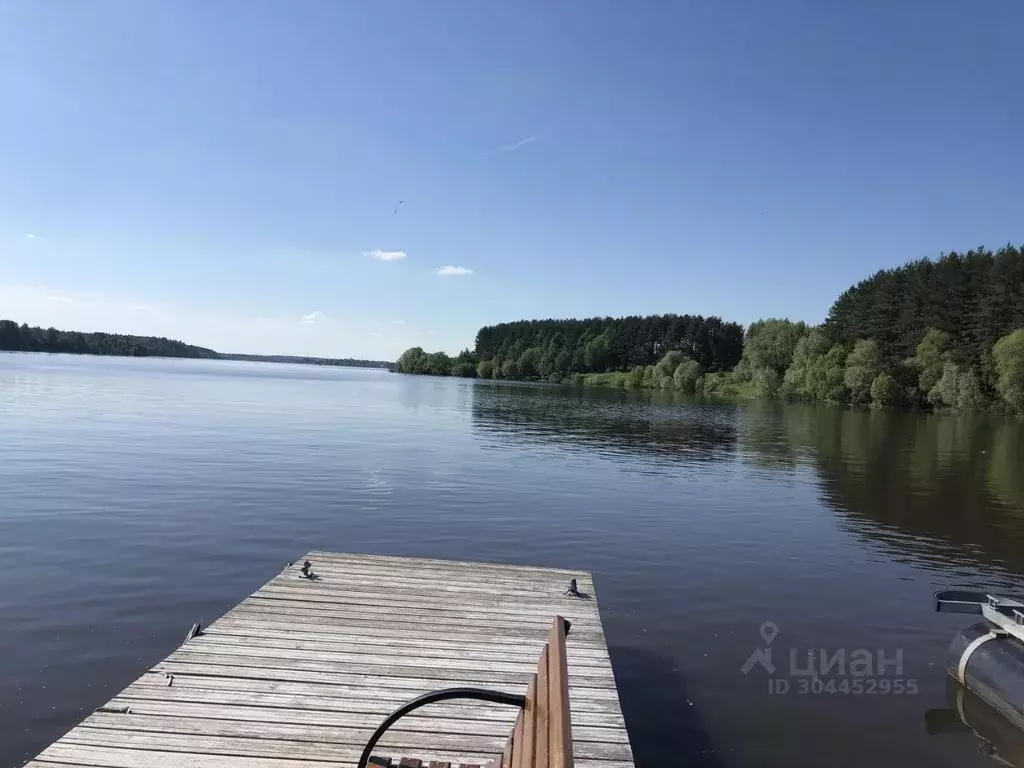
column 466, row 356
column 686, row 376
column 946, row 390
column 546, row 367
column 635, row 377
column 411, row 361
column 863, row 364
column 767, row 383
column 826, row 377
column 885, row 391
column 718, row 384
column 930, row 358
column 771, row 344
column 742, row 370
column 529, row 363
column 666, row 367
column 906, row 375
column 1009, row 360
column 563, row 363
column 652, row 379
column 437, row 364
column 28, row 338
column 10, row 336
column 797, row 383
column 794, row 384
column 959, row 389
column 597, row 354
column 969, row 395
column 577, row 364
column 710, row 384
column 485, row 369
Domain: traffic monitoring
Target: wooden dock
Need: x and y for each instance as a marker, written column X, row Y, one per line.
column 302, row 672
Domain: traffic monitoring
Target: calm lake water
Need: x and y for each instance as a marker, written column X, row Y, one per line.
column 139, row 496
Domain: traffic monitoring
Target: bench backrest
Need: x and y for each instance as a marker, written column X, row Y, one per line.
column 542, row 737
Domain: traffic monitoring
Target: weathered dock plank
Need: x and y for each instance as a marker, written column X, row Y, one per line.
column 303, row 671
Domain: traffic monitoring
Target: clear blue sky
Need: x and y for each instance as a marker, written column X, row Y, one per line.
column 223, row 171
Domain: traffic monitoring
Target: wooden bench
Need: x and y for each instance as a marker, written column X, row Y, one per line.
column 542, row 734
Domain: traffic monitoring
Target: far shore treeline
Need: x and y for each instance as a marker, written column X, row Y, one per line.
column 25, row 338
column 932, row 334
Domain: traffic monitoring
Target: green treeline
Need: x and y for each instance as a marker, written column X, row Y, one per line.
column 24, row 338
column 545, row 348
column 569, row 350
column 415, row 360
column 945, row 334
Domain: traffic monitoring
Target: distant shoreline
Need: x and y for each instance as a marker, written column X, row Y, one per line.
column 382, row 365
column 342, row 362
column 26, row 338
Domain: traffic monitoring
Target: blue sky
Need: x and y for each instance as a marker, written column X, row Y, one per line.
column 223, row 172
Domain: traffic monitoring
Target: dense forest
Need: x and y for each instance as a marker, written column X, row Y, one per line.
column 555, row 350
column 931, row 334
column 24, row 338
column 975, row 298
column 942, row 334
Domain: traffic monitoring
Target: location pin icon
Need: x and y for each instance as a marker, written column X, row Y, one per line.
column 769, row 631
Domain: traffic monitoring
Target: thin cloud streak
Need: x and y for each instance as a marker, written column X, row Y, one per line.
column 450, row 271
column 509, row 147
column 314, row 317
column 388, row 255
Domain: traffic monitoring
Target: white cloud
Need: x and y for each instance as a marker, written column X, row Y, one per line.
column 57, row 297
column 314, row 317
column 399, row 322
column 30, row 236
column 509, row 147
column 140, row 308
column 454, row 271
column 388, row 255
